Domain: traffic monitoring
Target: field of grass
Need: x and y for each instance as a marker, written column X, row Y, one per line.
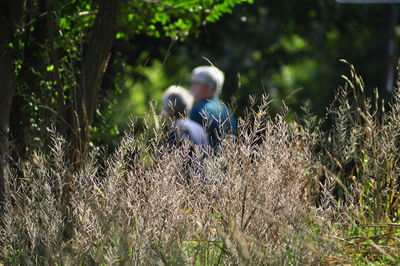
column 280, row 193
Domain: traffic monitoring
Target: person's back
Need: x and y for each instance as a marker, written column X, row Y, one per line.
column 209, row 111
column 215, row 118
column 177, row 104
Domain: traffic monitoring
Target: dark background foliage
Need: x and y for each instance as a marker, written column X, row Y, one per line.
column 287, row 49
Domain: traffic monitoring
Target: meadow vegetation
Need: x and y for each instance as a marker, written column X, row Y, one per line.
column 281, row 193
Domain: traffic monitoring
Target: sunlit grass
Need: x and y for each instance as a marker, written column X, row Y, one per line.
column 279, row 193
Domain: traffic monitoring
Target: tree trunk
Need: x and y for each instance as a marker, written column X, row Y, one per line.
column 33, row 61
column 11, row 12
column 6, row 94
column 96, row 55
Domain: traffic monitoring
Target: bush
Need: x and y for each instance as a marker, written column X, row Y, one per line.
column 278, row 193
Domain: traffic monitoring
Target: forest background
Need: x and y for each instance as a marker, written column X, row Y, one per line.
column 289, row 50
column 311, row 178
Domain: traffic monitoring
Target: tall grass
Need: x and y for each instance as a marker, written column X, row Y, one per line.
column 359, row 159
column 278, row 193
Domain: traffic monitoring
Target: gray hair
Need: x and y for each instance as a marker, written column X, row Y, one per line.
column 210, row 75
column 177, row 100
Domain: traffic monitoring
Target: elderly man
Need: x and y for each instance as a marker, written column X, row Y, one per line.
column 209, row 111
column 177, row 103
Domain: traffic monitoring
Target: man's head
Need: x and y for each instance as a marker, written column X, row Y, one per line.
column 177, row 102
column 206, row 82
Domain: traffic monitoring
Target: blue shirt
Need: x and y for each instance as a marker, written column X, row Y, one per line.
column 215, row 118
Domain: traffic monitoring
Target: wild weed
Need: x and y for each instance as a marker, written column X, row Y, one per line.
column 278, row 193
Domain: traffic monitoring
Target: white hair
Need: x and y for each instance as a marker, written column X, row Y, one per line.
column 211, row 76
column 178, row 98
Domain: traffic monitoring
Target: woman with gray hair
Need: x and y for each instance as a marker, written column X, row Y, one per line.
column 209, row 111
column 177, row 104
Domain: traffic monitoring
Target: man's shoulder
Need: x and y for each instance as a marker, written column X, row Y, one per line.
column 211, row 105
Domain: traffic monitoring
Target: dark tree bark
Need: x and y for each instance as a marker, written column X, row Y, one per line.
column 11, row 12
column 95, row 59
column 33, row 60
column 97, row 49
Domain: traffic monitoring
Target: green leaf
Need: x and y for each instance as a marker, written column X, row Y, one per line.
column 50, row 68
column 64, row 24
column 120, row 35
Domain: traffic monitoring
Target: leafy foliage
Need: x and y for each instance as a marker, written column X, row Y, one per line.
column 50, row 47
column 289, row 50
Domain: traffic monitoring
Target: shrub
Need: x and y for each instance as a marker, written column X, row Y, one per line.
column 278, row 193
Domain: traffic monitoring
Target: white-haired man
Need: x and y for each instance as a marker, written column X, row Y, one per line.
column 209, row 111
column 177, row 104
